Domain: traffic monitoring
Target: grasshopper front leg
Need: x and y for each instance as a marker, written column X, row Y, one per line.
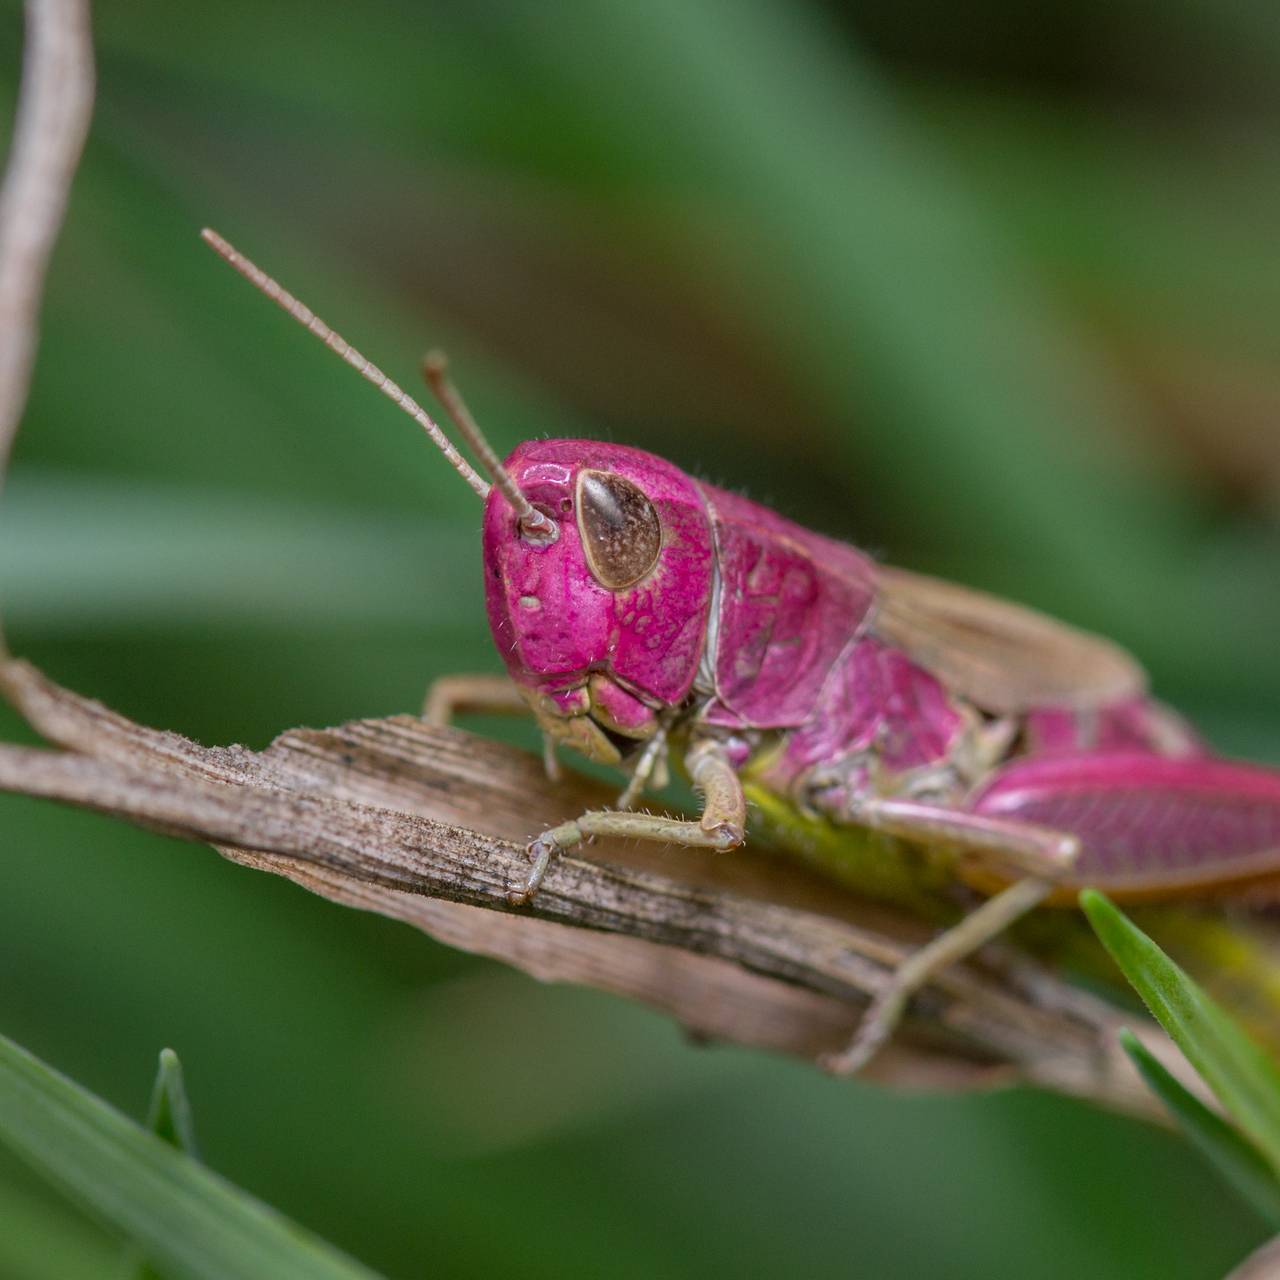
column 452, row 696
column 721, row 826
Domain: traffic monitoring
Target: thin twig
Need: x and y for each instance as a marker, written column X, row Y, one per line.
column 54, row 106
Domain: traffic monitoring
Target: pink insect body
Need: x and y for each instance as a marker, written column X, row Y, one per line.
column 773, row 639
column 862, row 708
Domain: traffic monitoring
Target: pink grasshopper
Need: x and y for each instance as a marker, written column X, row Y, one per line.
column 945, row 737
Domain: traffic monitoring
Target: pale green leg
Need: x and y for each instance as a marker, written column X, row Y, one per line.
column 452, row 696
column 921, row 967
column 722, row 825
column 1042, row 851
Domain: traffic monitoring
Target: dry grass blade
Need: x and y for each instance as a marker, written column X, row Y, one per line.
column 54, row 108
column 53, row 118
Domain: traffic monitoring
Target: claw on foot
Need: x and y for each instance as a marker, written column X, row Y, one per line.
column 873, row 1033
column 541, row 851
column 849, row 1061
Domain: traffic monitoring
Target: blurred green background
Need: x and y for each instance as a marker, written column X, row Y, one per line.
column 991, row 291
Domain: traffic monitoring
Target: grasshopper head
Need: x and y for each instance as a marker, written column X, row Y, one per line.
column 599, row 607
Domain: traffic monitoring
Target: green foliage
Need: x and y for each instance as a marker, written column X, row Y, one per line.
column 1242, row 1077
column 1237, row 1159
column 169, row 1115
column 169, row 1118
column 190, row 1222
column 46, row 1239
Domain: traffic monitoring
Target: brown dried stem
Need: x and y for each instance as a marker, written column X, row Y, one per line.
column 54, row 107
column 427, row 825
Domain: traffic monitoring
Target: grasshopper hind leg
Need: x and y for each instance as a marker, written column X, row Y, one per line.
column 921, row 967
column 1035, row 857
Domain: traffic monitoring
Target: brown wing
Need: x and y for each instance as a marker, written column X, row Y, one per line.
column 1004, row 657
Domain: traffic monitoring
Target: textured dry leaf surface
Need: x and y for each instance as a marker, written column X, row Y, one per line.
column 428, row 826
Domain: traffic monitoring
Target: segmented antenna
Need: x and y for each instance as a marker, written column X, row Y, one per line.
column 336, row 343
column 435, row 369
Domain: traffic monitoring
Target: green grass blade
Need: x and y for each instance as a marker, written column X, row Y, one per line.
column 1236, row 1159
column 169, row 1118
column 40, row 1240
column 191, row 1223
column 169, row 1115
column 77, row 554
column 1243, row 1078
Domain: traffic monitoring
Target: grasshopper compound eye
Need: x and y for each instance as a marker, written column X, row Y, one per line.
column 620, row 529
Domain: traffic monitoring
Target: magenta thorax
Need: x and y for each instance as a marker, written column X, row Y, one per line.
column 790, row 603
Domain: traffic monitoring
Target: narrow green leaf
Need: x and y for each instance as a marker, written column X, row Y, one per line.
column 169, row 1115
column 1243, row 1078
column 191, row 1223
column 44, row 1240
column 1235, row 1158
column 77, row 553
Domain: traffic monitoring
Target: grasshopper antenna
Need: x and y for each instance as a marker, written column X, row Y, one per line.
column 366, row 368
column 435, row 371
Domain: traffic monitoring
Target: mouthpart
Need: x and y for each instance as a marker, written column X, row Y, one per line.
column 598, row 718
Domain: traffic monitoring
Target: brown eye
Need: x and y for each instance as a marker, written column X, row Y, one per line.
column 619, row 527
